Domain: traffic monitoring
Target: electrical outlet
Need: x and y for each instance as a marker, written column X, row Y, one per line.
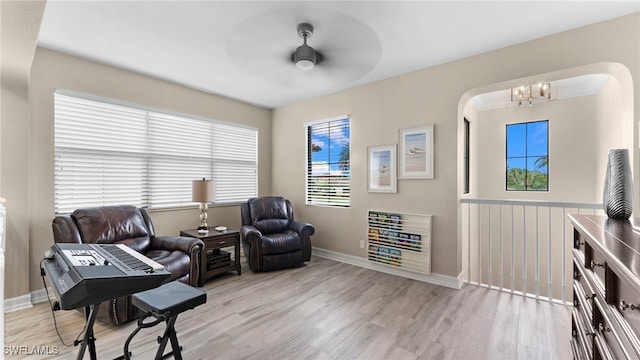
column 361, row 244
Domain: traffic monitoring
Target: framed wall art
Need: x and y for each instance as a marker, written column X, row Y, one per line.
column 416, row 153
column 382, row 169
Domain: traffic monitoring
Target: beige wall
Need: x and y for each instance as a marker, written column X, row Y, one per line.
column 52, row 70
column 19, row 27
column 572, row 135
column 613, row 133
column 435, row 95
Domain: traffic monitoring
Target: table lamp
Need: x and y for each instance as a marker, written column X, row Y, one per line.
column 202, row 191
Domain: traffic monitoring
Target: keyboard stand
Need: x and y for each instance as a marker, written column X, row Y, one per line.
column 90, row 312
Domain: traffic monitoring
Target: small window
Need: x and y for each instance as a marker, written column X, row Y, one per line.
column 528, row 156
column 328, row 164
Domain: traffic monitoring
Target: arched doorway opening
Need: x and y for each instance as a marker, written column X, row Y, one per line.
column 520, row 241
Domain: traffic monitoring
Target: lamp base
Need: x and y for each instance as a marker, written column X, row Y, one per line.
column 203, row 228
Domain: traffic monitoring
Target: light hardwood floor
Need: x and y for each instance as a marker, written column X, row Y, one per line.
column 324, row 310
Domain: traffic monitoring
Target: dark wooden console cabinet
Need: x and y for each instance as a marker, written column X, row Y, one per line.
column 606, row 288
column 212, row 241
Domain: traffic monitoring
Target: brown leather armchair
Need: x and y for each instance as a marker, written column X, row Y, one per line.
column 130, row 226
column 270, row 237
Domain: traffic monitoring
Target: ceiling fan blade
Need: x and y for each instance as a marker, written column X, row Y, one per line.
column 262, row 47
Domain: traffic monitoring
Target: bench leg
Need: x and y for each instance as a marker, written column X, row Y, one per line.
column 169, row 334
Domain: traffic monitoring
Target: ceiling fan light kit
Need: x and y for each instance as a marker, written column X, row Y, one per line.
column 305, row 57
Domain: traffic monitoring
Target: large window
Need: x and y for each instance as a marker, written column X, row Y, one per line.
column 328, row 164
column 107, row 154
column 528, row 156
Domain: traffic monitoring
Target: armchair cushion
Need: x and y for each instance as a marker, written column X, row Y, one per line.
column 108, row 225
column 269, row 215
column 281, row 243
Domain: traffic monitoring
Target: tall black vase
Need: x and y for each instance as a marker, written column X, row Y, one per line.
column 617, row 197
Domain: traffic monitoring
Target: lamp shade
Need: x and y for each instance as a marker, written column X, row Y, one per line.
column 202, row 191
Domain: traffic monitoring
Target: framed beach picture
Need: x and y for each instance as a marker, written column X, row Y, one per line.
column 382, row 169
column 416, row 153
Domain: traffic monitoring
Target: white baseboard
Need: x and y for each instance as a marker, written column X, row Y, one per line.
column 25, row 301
column 436, row 279
column 17, row 303
column 39, row 296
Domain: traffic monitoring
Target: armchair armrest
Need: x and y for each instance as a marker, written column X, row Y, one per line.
column 182, row 243
column 304, row 229
column 65, row 230
column 190, row 246
column 250, row 233
column 251, row 236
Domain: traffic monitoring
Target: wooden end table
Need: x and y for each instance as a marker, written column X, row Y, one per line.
column 212, row 241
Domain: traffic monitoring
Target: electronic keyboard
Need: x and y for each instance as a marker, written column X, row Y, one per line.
column 86, row 274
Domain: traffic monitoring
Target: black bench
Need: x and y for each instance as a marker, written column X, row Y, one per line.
column 164, row 303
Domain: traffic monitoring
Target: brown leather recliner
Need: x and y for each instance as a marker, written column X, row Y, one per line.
column 270, row 237
column 130, row 226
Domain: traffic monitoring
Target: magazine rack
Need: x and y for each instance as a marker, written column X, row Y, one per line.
column 401, row 240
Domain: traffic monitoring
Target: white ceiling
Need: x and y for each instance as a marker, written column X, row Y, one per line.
column 242, row 49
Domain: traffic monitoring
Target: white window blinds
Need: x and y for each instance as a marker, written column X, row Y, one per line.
column 328, row 163
column 99, row 154
column 108, row 154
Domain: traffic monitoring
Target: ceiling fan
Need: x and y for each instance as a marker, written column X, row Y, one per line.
column 266, row 46
column 305, row 57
